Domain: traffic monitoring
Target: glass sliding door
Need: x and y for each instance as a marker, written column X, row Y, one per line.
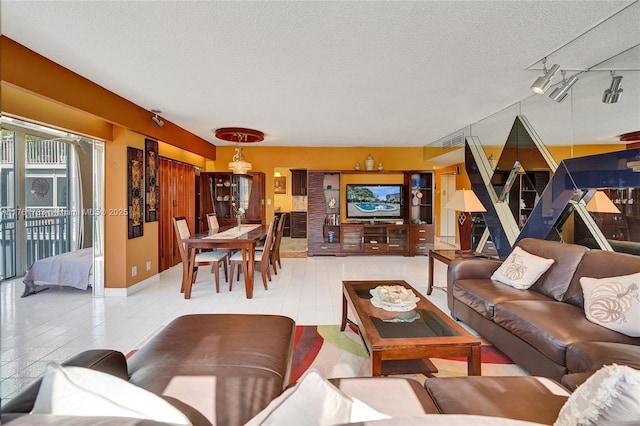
column 7, row 205
column 51, row 188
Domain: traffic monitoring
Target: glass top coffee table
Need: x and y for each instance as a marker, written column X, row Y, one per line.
column 403, row 342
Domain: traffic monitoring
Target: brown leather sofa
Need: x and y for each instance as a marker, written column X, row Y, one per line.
column 219, row 369
column 544, row 329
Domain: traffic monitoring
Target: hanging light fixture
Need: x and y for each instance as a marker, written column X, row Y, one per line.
column 239, row 135
column 559, row 93
column 543, row 82
column 157, row 119
column 613, row 93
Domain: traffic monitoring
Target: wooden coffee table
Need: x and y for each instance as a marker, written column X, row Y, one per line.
column 405, row 347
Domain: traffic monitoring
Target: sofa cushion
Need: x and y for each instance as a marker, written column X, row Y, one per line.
column 555, row 282
column 78, row 391
column 226, row 366
column 551, row 326
column 314, row 401
column 521, row 269
column 532, row 399
column 609, row 397
column 591, row 356
column 613, row 302
column 482, row 295
column 395, row 396
column 600, row 264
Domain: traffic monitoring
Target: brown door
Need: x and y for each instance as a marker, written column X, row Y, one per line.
column 177, row 198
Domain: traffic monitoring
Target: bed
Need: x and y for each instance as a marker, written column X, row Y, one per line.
column 71, row 269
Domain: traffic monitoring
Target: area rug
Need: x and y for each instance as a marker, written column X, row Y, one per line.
column 341, row 354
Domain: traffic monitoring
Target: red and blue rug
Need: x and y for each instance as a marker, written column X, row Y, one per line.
column 341, row 354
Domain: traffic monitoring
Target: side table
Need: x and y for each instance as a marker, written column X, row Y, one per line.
column 446, row 256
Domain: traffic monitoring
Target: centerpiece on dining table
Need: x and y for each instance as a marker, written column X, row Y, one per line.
column 239, row 212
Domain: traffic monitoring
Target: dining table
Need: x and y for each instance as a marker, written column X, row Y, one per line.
column 243, row 238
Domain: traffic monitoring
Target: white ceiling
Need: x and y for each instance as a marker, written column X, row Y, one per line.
column 343, row 73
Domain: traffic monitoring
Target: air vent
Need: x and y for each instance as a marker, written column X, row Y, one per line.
column 453, row 142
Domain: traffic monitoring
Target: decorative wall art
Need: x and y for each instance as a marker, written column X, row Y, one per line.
column 280, row 185
column 152, row 186
column 135, row 181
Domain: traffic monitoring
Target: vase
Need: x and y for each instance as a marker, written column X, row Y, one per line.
column 369, row 162
column 239, row 219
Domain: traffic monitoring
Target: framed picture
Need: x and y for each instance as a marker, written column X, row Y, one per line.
column 280, row 185
column 135, row 191
column 152, row 185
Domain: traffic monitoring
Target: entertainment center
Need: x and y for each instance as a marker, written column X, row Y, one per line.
column 370, row 212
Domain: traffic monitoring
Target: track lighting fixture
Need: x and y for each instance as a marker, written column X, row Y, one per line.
column 613, row 93
column 559, row 93
column 543, row 82
column 157, row 119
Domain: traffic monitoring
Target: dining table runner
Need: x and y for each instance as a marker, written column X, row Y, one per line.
column 232, row 233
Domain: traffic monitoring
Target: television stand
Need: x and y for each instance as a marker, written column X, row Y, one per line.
column 377, row 238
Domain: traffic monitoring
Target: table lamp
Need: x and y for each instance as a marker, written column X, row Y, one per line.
column 601, row 203
column 466, row 202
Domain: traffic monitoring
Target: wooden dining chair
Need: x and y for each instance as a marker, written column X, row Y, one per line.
column 262, row 259
column 212, row 221
column 215, row 258
column 277, row 239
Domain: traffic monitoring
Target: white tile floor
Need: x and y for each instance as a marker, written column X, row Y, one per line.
column 58, row 323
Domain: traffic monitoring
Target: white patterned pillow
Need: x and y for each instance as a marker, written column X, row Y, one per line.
column 78, row 391
column 613, row 302
column 314, row 401
column 610, row 397
column 521, row 269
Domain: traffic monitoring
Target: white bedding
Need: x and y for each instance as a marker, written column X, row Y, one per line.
column 72, row 269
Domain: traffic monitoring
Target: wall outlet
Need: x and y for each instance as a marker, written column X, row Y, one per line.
column 148, row 265
column 134, row 271
column 268, row 201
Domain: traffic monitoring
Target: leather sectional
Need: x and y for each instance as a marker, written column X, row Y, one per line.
column 544, row 329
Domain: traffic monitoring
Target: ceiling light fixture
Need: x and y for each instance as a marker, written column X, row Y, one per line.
column 157, row 119
column 559, row 93
column 239, row 135
column 613, row 93
column 543, row 82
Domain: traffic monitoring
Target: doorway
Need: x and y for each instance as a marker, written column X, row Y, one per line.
column 447, row 216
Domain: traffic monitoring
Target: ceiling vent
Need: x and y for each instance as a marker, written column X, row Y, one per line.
column 453, row 142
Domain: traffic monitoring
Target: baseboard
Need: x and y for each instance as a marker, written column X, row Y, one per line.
column 124, row 292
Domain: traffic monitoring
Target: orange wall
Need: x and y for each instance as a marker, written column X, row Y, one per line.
column 266, row 159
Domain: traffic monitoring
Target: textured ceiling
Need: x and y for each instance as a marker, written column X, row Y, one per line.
column 346, row 73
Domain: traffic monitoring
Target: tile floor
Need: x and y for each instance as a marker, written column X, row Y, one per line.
column 60, row 322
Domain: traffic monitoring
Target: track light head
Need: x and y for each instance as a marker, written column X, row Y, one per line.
column 543, row 82
column 157, row 119
column 613, row 93
column 559, row 93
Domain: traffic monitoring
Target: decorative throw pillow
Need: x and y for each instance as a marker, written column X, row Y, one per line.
column 613, row 302
column 610, row 397
column 521, row 269
column 78, row 391
column 314, row 401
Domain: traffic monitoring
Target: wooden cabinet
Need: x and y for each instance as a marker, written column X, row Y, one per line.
column 220, row 191
column 374, row 239
column 324, row 213
column 298, row 224
column 420, row 211
column 420, row 239
column 298, row 182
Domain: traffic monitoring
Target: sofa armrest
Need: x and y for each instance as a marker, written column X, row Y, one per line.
column 104, row 360
column 585, row 358
column 469, row 268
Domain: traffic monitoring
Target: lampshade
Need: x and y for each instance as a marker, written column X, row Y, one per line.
column 600, row 203
column 465, row 200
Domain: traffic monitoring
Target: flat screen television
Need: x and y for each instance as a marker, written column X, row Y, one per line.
column 375, row 202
